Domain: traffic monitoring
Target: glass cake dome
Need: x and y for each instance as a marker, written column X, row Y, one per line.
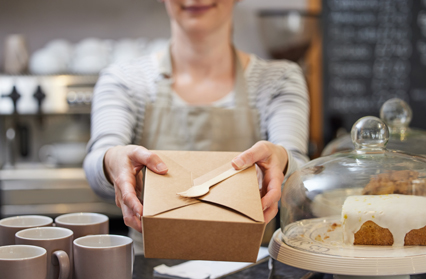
column 314, row 208
column 397, row 115
column 320, row 187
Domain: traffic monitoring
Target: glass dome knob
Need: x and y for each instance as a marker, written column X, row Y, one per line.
column 396, row 114
column 369, row 134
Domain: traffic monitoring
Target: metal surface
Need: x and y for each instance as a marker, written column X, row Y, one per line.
column 37, row 172
column 49, row 192
column 46, row 111
column 63, row 93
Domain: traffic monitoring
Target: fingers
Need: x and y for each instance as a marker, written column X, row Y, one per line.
column 126, row 196
column 272, row 183
column 272, row 160
column 130, row 219
column 132, row 202
column 131, row 207
column 124, row 164
column 151, row 160
column 273, row 193
column 270, row 213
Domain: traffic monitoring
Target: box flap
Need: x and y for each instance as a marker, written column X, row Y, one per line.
column 206, row 211
column 199, row 162
column 162, row 197
column 188, row 168
column 239, row 192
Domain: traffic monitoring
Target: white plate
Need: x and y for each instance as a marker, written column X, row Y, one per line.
column 302, row 248
column 319, row 236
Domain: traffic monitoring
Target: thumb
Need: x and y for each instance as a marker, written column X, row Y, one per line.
column 250, row 156
column 149, row 159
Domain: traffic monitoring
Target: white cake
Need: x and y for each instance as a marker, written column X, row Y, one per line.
column 400, row 214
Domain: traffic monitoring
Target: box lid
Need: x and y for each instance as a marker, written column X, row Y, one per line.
column 237, row 194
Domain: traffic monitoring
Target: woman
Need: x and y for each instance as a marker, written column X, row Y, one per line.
column 198, row 94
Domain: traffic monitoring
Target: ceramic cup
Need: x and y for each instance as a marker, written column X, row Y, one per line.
column 84, row 223
column 58, row 244
column 23, row 261
column 103, row 257
column 10, row 226
column 16, row 55
column 63, row 153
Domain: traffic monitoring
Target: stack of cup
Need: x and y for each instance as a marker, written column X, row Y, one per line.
column 76, row 246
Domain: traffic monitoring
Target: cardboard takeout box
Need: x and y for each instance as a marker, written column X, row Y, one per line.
column 224, row 225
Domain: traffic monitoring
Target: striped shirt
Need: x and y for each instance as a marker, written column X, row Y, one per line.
column 277, row 89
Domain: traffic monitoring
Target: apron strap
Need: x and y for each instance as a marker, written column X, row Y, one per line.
column 240, row 86
column 165, row 80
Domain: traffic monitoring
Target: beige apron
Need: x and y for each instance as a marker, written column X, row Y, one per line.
column 199, row 128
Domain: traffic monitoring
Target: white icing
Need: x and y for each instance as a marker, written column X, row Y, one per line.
column 398, row 213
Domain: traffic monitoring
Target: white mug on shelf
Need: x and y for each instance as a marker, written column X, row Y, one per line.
column 63, row 153
column 16, row 55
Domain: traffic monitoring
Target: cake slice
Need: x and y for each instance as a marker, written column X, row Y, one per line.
column 395, row 220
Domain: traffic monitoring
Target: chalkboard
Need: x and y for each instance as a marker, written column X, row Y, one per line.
column 373, row 50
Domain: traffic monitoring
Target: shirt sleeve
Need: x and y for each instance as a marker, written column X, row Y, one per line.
column 113, row 117
column 286, row 116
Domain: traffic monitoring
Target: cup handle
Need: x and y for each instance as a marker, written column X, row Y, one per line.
column 61, row 258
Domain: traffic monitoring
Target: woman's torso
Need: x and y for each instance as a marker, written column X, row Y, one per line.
column 275, row 88
column 170, row 126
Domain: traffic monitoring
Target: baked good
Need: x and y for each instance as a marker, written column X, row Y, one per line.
column 405, row 182
column 394, row 219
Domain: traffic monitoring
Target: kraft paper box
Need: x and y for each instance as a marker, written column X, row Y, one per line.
column 224, row 225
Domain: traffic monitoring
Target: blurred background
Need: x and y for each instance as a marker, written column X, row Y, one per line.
column 50, row 56
column 355, row 56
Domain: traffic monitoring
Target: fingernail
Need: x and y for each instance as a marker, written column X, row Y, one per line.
column 266, row 207
column 239, row 162
column 138, row 215
column 161, row 167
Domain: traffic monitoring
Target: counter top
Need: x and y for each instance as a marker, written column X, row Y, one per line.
column 144, row 268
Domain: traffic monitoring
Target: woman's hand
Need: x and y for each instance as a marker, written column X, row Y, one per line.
column 272, row 160
column 122, row 165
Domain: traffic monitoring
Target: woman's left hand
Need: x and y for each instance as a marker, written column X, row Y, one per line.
column 272, row 159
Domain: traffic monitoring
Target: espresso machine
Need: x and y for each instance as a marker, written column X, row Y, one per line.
column 44, row 130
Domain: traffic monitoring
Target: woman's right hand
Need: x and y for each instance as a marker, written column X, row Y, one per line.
column 122, row 167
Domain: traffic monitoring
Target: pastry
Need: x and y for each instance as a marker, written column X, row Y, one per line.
column 394, row 219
